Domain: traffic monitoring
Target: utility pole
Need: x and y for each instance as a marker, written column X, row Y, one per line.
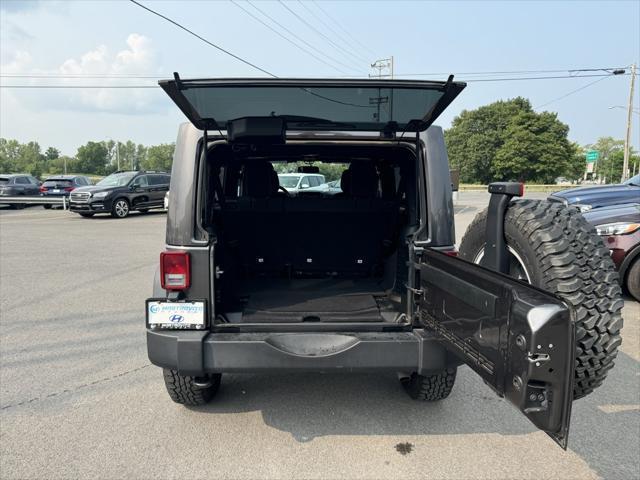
column 627, row 140
column 380, row 65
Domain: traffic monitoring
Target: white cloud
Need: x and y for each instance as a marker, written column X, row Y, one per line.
column 139, row 58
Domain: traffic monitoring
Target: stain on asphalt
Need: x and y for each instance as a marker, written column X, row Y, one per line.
column 404, row 448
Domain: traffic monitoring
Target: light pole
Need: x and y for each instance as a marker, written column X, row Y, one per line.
column 627, row 140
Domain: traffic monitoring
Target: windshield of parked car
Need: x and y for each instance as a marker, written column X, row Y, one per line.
column 288, row 181
column 633, row 181
column 116, row 179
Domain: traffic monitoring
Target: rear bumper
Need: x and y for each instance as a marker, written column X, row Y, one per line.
column 197, row 353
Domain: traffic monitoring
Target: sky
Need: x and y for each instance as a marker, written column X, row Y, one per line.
column 116, row 39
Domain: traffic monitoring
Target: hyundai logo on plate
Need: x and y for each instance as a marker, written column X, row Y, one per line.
column 154, row 308
column 176, row 318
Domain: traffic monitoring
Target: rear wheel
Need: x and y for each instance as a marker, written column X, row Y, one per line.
column 554, row 248
column 430, row 388
column 120, row 208
column 46, row 207
column 189, row 390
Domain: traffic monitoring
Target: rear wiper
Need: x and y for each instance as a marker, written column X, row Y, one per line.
column 315, row 121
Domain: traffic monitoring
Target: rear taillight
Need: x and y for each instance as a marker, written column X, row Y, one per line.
column 174, row 270
column 69, row 189
column 42, row 189
column 451, row 253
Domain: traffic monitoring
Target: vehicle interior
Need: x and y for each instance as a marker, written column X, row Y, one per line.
column 328, row 257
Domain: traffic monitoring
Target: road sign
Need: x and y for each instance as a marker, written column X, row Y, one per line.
column 592, row 156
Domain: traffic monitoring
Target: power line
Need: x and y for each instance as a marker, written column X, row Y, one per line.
column 246, row 62
column 294, row 35
column 317, row 17
column 79, row 86
column 572, row 92
column 342, row 28
column 294, row 13
column 572, row 73
column 298, row 37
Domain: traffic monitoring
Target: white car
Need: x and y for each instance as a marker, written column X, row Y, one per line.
column 166, row 200
column 296, row 182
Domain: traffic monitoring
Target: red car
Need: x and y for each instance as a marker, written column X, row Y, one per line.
column 619, row 226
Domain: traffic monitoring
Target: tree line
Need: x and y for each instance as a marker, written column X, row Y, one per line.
column 505, row 140
column 508, row 140
column 93, row 158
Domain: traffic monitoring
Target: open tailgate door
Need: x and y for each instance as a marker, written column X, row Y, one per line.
column 314, row 104
column 518, row 338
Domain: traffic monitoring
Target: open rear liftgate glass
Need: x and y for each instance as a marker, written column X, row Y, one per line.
column 518, row 338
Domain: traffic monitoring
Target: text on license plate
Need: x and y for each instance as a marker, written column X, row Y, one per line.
column 175, row 315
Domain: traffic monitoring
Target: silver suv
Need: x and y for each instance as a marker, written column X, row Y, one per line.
column 255, row 279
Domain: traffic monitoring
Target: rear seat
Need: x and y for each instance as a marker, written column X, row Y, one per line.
column 347, row 234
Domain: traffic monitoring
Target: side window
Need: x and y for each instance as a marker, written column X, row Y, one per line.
column 305, row 182
column 315, row 181
column 22, row 181
column 141, row 181
column 153, row 179
column 166, row 179
column 33, row 180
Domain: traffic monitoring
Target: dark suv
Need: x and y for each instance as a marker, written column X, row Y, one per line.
column 18, row 184
column 367, row 279
column 120, row 193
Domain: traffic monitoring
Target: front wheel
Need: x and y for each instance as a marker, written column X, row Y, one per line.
column 633, row 279
column 120, row 208
column 554, row 248
column 189, row 390
column 430, row 388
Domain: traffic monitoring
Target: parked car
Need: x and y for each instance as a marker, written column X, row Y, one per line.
column 18, row 184
column 619, row 226
column 62, row 186
column 254, row 280
column 598, row 196
column 120, row 193
column 296, row 182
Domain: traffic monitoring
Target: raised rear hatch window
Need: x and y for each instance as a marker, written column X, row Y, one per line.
column 359, row 105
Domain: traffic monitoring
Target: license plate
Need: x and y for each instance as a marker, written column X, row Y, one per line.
column 56, row 190
column 177, row 315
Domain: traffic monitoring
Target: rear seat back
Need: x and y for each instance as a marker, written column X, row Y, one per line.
column 345, row 234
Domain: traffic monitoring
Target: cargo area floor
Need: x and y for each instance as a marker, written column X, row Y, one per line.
column 315, row 300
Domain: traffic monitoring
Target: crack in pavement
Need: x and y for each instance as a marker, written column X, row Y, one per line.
column 75, row 389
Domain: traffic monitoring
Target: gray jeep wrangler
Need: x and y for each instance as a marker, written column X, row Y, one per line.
column 255, row 279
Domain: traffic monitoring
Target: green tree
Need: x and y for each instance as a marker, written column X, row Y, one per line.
column 508, row 140
column 158, row 157
column 92, row 158
column 577, row 164
column 51, row 154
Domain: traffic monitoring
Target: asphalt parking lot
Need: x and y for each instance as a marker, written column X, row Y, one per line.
column 79, row 399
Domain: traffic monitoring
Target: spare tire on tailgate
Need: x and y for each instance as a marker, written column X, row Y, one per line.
column 553, row 247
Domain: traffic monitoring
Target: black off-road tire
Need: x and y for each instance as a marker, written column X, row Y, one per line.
column 633, row 279
column 430, row 388
column 564, row 256
column 182, row 388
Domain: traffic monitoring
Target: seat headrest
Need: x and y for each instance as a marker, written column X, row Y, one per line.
column 260, row 180
column 361, row 181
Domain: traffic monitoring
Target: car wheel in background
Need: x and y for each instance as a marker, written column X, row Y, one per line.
column 46, row 207
column 86, row 215
column 430, row 388
column 120, row 208
column 633, row 279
